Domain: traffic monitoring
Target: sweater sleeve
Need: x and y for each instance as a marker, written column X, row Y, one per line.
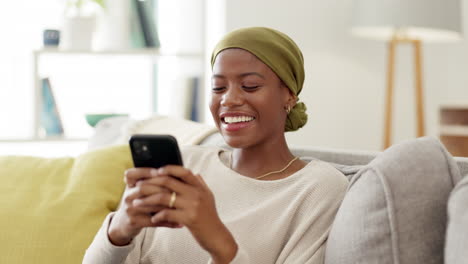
column 102, row 250
column 241, row 257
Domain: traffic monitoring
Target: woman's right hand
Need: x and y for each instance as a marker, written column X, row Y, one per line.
column 129, row 220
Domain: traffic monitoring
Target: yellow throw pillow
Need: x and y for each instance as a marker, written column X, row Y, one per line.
column 50, row 209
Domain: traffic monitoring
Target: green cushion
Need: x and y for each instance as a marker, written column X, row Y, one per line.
column 52, row 208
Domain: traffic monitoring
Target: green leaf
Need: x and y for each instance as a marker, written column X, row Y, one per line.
column 101, row 3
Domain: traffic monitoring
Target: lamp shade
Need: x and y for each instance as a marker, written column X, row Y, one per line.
column 427, row 20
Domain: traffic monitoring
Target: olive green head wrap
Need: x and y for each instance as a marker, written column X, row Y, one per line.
column 280, row 53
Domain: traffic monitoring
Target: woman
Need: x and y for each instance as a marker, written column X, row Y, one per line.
column 271, row 207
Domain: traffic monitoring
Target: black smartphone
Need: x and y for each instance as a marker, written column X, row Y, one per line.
column 155, row 151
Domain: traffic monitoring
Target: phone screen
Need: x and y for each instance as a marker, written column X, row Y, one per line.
column 155, row 151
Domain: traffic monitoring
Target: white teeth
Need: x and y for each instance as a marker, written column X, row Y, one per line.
column 237, row 119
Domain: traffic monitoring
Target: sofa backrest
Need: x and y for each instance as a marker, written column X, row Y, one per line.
column 355, row 157
column 333, row 155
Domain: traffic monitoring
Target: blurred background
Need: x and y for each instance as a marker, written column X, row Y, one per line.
column 138, row 58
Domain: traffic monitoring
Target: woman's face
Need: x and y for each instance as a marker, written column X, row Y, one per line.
column 248, row 99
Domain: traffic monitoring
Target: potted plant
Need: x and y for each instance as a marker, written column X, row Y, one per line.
column 113, row 25
column 82, row 5
column 79, row 23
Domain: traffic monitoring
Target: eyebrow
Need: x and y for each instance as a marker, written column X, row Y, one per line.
column 240, row 75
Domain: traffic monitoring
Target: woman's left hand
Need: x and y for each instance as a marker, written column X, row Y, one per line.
column 194, row 207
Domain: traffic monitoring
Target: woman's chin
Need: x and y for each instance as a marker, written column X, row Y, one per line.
column 237, row 141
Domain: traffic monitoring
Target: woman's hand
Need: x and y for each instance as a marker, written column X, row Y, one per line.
column 194, row 207
column 130, row 219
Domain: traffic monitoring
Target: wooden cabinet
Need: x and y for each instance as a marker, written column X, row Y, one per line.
column 454, row 129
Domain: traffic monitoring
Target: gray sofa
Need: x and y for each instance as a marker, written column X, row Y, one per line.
column 395, row 210
column 406, row 205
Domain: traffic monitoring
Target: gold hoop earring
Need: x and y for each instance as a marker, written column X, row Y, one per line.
column 288, row 109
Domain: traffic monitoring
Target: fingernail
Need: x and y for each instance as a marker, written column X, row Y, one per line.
column 137, row 202
column 161, row 170
column 154, row 172
column 153, row 220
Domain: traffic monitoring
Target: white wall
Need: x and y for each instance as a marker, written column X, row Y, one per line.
column 345, row 76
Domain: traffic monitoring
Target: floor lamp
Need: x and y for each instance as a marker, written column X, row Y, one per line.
column 407, row 22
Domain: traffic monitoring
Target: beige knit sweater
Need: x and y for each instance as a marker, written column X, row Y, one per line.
column 280, row 221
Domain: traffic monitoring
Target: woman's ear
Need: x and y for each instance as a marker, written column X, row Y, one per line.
column 289, row 97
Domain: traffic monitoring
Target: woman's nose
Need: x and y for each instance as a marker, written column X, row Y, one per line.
column 232, row 97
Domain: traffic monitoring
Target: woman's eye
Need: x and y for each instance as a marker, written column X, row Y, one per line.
column 250, row 87
column 218, row 89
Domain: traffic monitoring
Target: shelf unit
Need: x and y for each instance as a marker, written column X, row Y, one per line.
column 43, row 147
column 183, row 28
column 48, row 139
column 152, row 54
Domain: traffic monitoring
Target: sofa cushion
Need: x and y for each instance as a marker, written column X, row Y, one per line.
column 456, row 248
column 52, row 208
column 395, row 208
column 116, row 131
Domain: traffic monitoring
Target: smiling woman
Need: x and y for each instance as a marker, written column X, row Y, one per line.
column 257, row 203
column 245, row 88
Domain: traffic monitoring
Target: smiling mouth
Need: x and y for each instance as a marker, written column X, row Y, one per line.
column 236, row 119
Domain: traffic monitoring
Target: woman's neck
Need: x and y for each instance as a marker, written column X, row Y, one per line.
column 260, row 159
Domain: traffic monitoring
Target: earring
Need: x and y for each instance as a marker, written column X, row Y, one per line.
column 288, row 109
